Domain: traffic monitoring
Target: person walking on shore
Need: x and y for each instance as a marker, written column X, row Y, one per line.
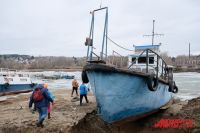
column 41, row 99
column 50, row 104
column 83, row 93
column 75, row 86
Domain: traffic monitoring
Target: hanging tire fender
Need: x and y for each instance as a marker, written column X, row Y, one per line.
column 152, row 83
column 84, row 77
column 32, row 85
column 173, row 88
column 7, row 85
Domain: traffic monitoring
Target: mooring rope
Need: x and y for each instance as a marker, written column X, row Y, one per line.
column 118, row 44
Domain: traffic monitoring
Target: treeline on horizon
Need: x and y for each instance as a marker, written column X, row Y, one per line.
column 15, row 61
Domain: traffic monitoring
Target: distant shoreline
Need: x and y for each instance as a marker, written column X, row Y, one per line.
column 72, row 69
column 179, row 70
column 64, row 69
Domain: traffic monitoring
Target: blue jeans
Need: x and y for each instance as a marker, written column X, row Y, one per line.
column 42, row 114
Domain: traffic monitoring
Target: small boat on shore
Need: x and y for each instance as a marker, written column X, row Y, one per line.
column 68, row 76
column 57, row 75
column 126, row 94
column 12, row 82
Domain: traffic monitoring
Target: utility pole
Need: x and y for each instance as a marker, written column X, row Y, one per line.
column 189, row 50
column 153, row 33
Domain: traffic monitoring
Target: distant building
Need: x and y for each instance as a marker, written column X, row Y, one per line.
column 186, row 62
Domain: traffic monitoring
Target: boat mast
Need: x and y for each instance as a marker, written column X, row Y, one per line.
column 89, row 40
column 153, row 33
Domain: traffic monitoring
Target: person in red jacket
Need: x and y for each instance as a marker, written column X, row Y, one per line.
column 40, row 97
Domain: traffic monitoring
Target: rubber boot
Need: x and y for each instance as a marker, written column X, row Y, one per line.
column 49, row 116
column 40, row 124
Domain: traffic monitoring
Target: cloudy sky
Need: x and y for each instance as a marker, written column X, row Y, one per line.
column 59, row 27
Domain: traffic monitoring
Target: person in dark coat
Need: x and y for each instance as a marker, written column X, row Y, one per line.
column 42, row 105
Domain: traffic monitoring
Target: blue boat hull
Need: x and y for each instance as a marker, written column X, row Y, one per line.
column 121, row 95
column 16, row 88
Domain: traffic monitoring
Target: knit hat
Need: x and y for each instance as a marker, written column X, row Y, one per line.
column 45, row 85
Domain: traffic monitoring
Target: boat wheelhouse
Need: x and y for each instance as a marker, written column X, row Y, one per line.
column 138, row 60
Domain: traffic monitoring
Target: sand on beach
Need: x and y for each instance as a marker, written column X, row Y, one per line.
column 68, row 116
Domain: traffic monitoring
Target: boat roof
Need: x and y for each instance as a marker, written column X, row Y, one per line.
column 147, row 47
column 135, row 55
column 139, row 49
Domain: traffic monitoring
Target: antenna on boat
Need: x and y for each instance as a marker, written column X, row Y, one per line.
column 100, row 3
column 153, row 33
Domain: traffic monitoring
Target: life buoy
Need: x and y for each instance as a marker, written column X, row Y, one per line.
column 6, row 85
column 152, row 83
column 84, row 77
column 32, row 85
column 173, row 88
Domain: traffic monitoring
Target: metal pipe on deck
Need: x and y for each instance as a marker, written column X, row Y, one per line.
column 147, row 60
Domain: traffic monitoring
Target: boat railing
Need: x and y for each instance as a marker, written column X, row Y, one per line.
column 164, row 68
column 117, row 59
column 98, row 57
column 163, row 73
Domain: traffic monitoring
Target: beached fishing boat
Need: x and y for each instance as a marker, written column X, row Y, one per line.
column 12, row 81
column 126, row 94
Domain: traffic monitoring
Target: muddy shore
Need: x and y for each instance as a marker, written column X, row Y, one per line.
column 68, row 116
column 16, row 117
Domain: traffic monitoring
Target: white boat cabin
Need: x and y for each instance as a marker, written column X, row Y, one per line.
column 13, row 77
column 138, row 60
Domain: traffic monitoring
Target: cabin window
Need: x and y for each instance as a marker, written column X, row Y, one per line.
column 10, row 79
column 151, row 60
column 134, row 60
column 6, row 80
column 142, row 60
column 23, row 79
